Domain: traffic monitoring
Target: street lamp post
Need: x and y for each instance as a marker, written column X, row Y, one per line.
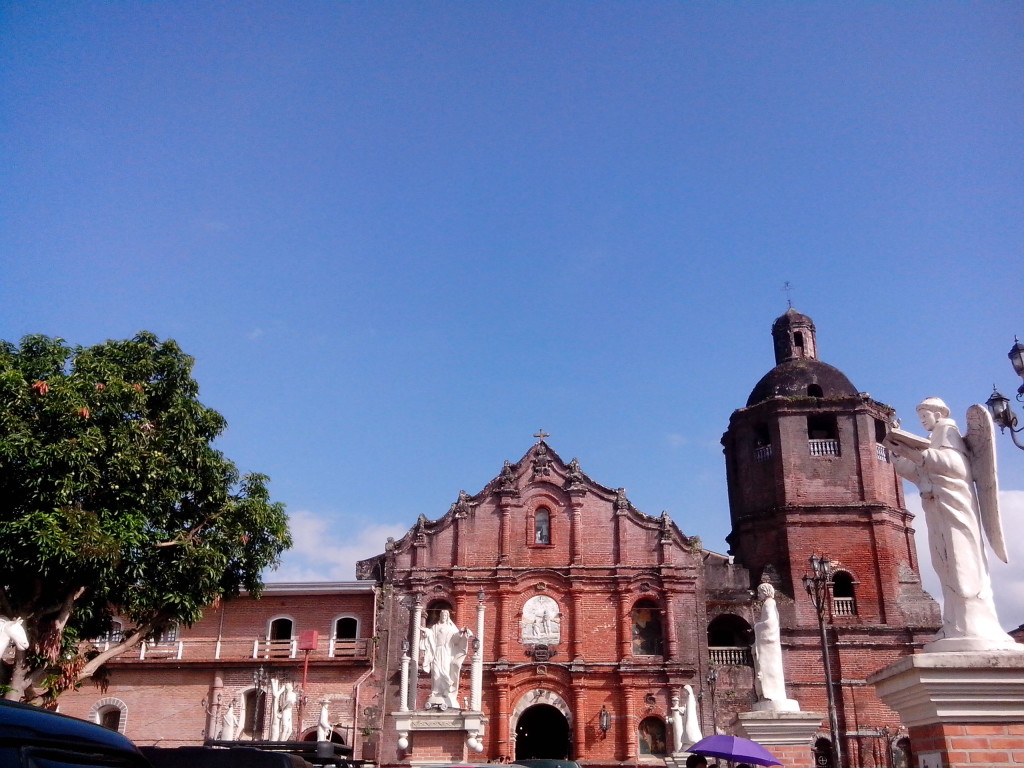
column 1002, row 414
column 259, row 682
column 712, row 681
column 816, row 585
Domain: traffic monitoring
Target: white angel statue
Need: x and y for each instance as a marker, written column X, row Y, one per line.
column 956, row 476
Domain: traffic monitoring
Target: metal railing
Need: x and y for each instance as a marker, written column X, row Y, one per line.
column 881, row 453
column 762, row 453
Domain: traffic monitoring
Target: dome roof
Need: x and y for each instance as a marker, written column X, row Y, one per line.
column 793, row 377
column 792, row 317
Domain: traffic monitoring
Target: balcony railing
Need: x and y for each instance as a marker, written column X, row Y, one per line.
column 211, row 649
column 827, row 447
column 843, row 606
column 738, row 656
column 762, row 453
column 881, row 453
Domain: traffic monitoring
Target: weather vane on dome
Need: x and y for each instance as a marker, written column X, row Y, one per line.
column 788, row 288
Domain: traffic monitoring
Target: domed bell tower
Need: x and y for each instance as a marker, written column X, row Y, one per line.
column 808, row 475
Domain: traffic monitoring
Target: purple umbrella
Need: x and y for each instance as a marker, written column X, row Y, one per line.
column 734, row 748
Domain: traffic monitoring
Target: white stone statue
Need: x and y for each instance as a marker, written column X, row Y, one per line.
column 677, row 717
column 444, row 648
column 229, row 724
column 323, row 726
column 691, row 729
column 282, row 704
column 960, row 497
column 12, row 631
column 770, row 679
column 286, row 706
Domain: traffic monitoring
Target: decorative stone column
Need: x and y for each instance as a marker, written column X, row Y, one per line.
column 477, row 684
column 960, row 707
column 414, row 647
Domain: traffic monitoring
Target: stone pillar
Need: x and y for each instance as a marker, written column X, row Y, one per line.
column 403, row 696
column 414, row 648
column 476, row 691
column 961, row 708
column 625, row 626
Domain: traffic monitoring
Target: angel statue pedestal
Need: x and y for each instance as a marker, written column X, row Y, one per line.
column 785, row 734
column 964, row 693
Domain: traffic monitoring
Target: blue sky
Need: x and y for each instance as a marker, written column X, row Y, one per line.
column 401, row 237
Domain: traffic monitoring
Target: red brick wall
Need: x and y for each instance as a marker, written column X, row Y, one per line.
column 999, row 744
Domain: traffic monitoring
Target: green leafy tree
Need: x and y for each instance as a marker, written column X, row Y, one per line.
column 114, row 502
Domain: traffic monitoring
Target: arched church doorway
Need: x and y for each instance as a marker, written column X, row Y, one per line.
column 542, row 733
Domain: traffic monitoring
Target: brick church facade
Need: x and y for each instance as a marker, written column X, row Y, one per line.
column 588, row 614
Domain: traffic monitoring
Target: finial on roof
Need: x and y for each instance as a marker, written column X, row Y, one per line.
column 540, row 434
column 788, row 288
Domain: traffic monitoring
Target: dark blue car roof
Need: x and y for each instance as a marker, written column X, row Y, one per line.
column 26, row 724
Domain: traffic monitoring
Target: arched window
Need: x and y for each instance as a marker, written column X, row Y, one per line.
column 253, row 704
column 542, row 526
column 346, row 628
column 814, row 390
column 822, row 435
column 433, row 612
column 729, row 639
column 280, row 629
column 647, row 634
column 110, row 713
column 844, row 599
column 651, row 735
column 823, row 757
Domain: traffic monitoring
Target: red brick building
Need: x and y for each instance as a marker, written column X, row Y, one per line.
column 590, row 614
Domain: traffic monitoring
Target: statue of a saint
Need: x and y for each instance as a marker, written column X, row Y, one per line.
column 691, row 728
column 769, row 680
column 286, row 706
column 323, row 726
column 444, row 648
column 229, row 726
column 960, row 497
column 276, row 689
column 677, row 716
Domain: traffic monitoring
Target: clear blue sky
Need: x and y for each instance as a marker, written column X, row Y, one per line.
column 401, row 237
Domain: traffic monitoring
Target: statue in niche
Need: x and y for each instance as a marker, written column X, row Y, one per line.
column 769, row 677
column 541, row 622
column 956, row 476
column 444, row 648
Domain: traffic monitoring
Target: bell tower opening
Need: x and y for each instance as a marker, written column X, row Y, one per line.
column 542, row 733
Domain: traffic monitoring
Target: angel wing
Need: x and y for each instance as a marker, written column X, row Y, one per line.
column 981, row 443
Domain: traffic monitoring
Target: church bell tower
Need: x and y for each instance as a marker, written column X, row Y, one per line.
column 808, row 475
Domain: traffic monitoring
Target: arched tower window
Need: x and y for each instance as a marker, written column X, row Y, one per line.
column 844, row 599
column 762, row 443
column 651, row 737
column 542, row 526
column 729, row 638
column 822, row 435
column 814, row 390
column 647, row 632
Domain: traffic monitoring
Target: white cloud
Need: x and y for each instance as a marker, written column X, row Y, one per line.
column 676, row 440
column 326, row 550
column 1007, row 578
